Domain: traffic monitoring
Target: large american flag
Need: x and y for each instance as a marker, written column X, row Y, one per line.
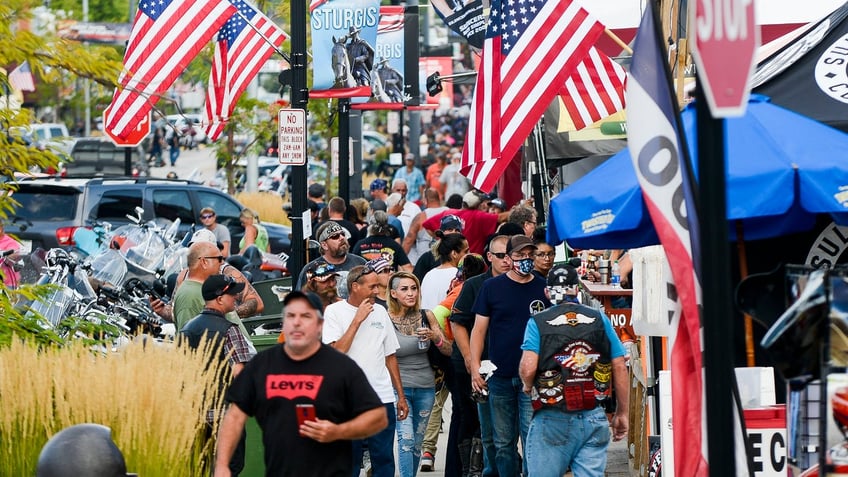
column 531, row 47
column 165, row 37
column 654, row 139
column 21, row 78
column 594, row 90
column 240, row 52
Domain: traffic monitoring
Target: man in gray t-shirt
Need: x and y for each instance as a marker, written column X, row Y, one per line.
column 334, row 248
column 222, row 234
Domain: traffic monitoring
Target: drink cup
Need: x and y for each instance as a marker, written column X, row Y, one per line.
column 422, row 337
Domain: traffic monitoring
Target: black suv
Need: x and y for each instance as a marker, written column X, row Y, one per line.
column 51, row 209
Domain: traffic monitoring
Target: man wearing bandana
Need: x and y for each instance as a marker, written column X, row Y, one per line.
column 571, row 358
column 503, row 307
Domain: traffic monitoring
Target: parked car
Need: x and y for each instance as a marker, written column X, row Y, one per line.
column 51, row 209
column 100, row 156
column 46, row 135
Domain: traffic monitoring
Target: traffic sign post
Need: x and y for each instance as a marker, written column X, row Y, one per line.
column 726, row 40
column 135, row 137
column 291, row 135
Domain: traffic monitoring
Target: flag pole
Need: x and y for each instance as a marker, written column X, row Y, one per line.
column 264, row 38
column 618, row 41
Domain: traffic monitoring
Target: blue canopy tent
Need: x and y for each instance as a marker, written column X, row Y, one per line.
column 783, row 170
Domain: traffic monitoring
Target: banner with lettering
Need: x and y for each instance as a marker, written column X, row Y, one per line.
column 344, row 33
column 464, row 18
column 387, row 81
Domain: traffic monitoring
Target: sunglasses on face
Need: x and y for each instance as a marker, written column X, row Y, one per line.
column 219, row 258
column 335, row 236
column 207, row 216
column 499, row 255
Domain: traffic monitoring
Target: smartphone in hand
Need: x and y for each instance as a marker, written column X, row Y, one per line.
column 305, row 412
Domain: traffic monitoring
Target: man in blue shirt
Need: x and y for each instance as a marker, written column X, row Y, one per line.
column 414, row 179
column 571, row 358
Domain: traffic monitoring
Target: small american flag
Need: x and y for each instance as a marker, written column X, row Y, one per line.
column 165, row 37
column 21, row 78
column 594, row 90
column 531, row 47
column 240, row 52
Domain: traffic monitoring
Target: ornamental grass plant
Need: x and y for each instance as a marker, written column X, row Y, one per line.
column 153, row 396
column 268, row 206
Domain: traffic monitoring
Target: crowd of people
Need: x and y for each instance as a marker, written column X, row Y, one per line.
column 424, row 296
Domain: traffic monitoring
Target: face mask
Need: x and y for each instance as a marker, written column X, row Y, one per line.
column 523, row 266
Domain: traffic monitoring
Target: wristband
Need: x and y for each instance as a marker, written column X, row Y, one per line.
column 439, row 343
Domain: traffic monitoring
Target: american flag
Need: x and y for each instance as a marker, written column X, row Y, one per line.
column 654, row 139
column 21, row 78
column 531, row 47
column 165, row 37
column 594, row 90
column 390, row 21
column 240, row 52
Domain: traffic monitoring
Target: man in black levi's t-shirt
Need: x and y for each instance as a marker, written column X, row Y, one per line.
column 309, row 400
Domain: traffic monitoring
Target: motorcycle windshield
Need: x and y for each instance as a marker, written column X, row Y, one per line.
column 109, row 267
column 141, row 246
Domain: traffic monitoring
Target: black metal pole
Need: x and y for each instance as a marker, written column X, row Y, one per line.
column 299, row 98
column 717, row 313
column 344, row 149
column 128, row 160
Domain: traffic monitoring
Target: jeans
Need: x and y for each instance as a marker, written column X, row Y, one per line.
column 511, row 413
column 410, row 431
column 558, row 439
column 381, row 447
column 485, row 414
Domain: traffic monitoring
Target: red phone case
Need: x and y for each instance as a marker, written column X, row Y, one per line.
column 305, row 412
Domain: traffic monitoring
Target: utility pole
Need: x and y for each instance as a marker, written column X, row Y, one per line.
column 299, row 99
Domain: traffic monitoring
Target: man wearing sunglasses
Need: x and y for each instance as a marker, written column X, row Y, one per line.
column 209, row 219
column 334, row 250
column 363, row 330
column 219, row 293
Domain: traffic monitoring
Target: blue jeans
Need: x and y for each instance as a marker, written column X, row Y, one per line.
column 484, row 410
column 381, row 447
column 410, row 431
column 558, row 439
column 511, row 413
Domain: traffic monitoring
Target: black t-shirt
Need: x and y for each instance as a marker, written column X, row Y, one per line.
column 461, row 313
column 269, row 387
column 377, row 246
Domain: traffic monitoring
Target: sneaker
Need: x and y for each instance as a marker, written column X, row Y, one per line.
column 427, row 462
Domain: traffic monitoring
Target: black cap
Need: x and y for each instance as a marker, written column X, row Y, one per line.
column 518, row 242
column 562, row 275
column 220, row 285
column 310, row 297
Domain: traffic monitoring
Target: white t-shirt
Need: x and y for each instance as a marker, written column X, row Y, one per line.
column 434, row 287
column 374, row 340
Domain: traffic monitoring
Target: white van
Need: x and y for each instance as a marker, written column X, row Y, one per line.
column 52, row 135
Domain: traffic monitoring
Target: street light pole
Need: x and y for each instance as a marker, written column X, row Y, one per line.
column 299, row 99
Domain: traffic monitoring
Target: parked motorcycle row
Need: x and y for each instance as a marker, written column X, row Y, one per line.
column 103, row 285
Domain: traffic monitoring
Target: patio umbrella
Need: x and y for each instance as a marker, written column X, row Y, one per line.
column 783, row 169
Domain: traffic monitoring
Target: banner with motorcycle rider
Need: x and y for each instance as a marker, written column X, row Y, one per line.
column 344, row 33
column 387, row 86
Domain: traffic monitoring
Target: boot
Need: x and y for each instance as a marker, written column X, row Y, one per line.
column 475, row 465
column 465, row 455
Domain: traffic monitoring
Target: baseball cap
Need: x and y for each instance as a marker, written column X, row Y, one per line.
column 379, row 184
column 220, row 285
column 203, row 235
column 321, row 271
column 498, row 202
column 378, row 264
column 451, row 222
column 471, row 199
column 315, row 190
column 330, row 228
column 311, row 298
column 519, row 242
column 562, row 275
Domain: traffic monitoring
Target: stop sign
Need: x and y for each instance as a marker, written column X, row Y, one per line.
column 726, row 39
column 135, row 137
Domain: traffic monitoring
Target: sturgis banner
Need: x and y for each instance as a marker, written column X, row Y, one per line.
column 465, row 18
column 387, row 85
column 344, row 33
